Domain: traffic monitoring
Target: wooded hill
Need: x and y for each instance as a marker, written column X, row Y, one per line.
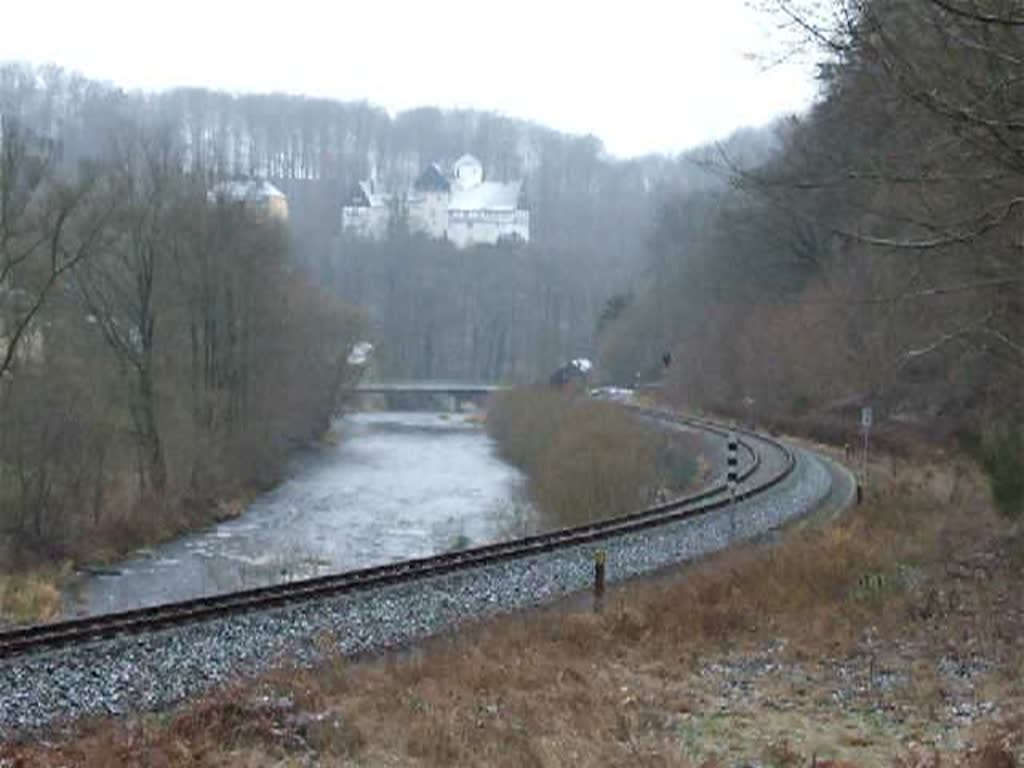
column 877, row 257
column 150, row 334
column 162, row 351
column 590, row 213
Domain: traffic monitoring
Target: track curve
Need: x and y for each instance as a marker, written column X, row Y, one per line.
column 767, row 463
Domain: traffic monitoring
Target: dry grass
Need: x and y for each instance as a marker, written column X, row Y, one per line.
column 30, row 585
column 31, row 597
column 587, row 460
column 851, row 643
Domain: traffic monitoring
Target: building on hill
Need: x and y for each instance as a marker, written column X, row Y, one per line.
column 427, row 203
column 459, row 206
column 257, row 195
column 368, row 212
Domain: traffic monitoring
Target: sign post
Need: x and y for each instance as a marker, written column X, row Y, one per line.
column 748, row 402
column 866, row 419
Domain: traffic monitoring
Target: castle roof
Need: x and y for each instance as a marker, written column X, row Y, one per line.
column 364, row 196
column 432, row 180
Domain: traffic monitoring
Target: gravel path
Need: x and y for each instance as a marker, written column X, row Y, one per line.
column 157, row 670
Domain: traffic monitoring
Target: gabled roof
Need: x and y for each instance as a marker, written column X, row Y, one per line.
column 486, row 196
column 363, row 196
column 432, row 180
column 359, row 197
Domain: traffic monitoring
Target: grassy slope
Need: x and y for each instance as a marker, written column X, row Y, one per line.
column 892, row 637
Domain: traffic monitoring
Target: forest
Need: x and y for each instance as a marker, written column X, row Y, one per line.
column 874, row 259
column 150, row 332
column 147, row 334
column 867, row 252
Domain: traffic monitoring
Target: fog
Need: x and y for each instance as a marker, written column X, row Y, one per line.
column 656, row 77
column 184, row 271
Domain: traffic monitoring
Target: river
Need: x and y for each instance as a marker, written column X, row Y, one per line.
column 386, row 487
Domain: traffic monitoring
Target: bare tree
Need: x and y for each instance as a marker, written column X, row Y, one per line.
column 47, row 227
column 120, row 291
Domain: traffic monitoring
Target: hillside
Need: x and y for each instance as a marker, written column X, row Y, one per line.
column 590, row 213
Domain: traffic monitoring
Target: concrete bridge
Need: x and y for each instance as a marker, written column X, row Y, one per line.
column 457, row 388
column 429, row 394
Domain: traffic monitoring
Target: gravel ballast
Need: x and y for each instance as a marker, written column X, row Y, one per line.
column 157, row 670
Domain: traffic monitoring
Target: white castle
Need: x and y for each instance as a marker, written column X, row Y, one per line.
column 459, row 207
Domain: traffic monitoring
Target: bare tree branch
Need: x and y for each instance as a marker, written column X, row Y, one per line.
column 975, row 15
column 981, row 225
column 60, row 263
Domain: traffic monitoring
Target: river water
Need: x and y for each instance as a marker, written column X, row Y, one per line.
column 388, row 486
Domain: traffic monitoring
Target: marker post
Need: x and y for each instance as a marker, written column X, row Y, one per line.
column 732, row 476
column 867, row 417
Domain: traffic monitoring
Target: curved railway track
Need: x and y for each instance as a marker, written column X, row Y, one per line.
column 767, row 463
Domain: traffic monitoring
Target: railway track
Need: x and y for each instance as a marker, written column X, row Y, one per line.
column 767, row 463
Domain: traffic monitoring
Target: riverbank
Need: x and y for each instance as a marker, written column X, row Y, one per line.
column 33, row 592
column 892, row 636
column 34, row 578
column 395, row 485
column 33, row 582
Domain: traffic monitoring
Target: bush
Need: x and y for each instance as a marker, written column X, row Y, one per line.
column 524, row 422
column 1004, row 464
column 585, row 460
column 1002, row 458
column 29, row 598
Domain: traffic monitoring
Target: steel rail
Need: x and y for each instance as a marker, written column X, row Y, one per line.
column 66, row 633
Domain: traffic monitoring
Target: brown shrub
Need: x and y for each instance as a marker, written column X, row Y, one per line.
column 586, row 460
column 31, row 597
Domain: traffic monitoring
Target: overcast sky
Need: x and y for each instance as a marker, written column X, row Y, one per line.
column 643, row 76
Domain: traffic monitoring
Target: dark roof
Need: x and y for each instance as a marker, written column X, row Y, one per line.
column 358, row 198
column 570, row 372
column 432, row 180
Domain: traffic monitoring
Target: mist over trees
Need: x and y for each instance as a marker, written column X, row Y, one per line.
column 868, row 252
column 590, row 213
column 162, row 350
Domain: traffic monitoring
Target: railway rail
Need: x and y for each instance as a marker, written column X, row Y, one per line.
column 768, row 462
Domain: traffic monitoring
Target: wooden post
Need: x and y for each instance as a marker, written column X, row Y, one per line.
column 599, row 564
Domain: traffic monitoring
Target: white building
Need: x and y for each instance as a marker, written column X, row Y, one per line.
column 368, row 213
column 459, row 206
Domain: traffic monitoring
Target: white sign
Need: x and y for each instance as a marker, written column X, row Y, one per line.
column 866, row 416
